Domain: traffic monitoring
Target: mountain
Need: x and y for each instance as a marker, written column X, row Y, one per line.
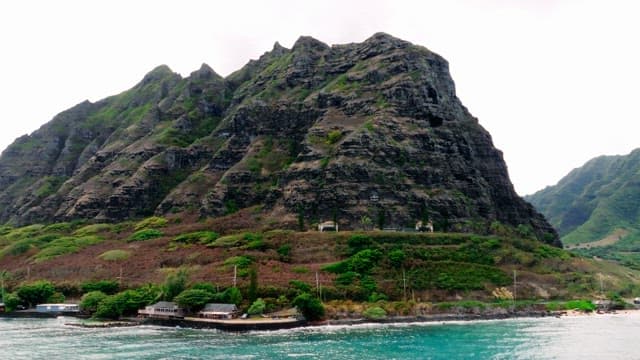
column 299, row 136
column 595, row 208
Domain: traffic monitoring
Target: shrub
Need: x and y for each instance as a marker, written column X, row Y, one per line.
column 58, row 227
column 347, row 278
column 257, row 244
column 108, row 287
column 201, row 237
column 145, row 234
column 92, row 229
column 310, row 307
column 227, row 241
column 284, row 252
column 358, row 242
column 11, row 301
column 300, row 286
column 151, row 222
column 115, row 255
column 339, row 267
column 396, row 258
column 89, row 302
column 363, row 261
column 65, row 245
column 333, row 137
column 375, row 297
column 257, row 308
column 374, row 313
column 582, row 305
column 241, row 262
column 300, row 269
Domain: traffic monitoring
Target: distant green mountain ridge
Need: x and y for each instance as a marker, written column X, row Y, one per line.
column 596, row 208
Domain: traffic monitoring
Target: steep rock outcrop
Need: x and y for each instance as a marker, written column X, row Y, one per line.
column 346, row 132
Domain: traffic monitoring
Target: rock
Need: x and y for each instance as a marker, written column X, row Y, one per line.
column 319, row 132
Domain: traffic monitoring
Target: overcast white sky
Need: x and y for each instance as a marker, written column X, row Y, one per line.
column 555, row 82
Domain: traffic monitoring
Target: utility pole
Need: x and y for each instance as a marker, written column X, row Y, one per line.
column 235, row 275
column 514, row 288
column 404, row 285
column 317, row 285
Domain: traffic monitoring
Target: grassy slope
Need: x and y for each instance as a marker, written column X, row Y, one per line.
column 594, row 202
column 440, row 266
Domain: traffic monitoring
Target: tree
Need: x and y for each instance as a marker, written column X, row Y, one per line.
column 109, row 308
column 363, row 261
column 253, row 284
column 36, row 292
column 204, row 286
column 300, row 286
column 124, row 303
column 56, row 298
column 193, row 299
column 174, row 284
column 396, row 257
column 310, row 307
column 89, row 302
column 232, row 295
column 11, row 301
column 257, row 308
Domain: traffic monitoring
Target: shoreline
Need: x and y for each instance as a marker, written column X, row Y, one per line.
column 242, row 325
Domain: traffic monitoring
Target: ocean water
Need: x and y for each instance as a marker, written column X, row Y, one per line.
column 582, row 337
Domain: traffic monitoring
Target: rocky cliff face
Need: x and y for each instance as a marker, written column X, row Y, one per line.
column 313, row 133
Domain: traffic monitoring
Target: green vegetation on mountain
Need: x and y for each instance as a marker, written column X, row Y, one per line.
column 368, row 266
column 369, row 130
column 596, row 210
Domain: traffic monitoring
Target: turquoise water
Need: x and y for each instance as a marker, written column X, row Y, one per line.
column 587, row 337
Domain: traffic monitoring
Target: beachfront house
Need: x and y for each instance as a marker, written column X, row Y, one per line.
column 3, row 308
column 219, row 311
column 58, row 308
column 163, row 310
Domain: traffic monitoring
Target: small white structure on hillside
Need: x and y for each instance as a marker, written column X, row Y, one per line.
column 162, row 309
column 328, row 226
column 420, row 226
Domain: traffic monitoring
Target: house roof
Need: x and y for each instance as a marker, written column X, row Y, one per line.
column 164, row 304
column 222, row 308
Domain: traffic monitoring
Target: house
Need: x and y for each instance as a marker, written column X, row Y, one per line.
column 328, row 226
column 58, row 308
column 219, row 311
column 3, row 308
column 162, row 309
